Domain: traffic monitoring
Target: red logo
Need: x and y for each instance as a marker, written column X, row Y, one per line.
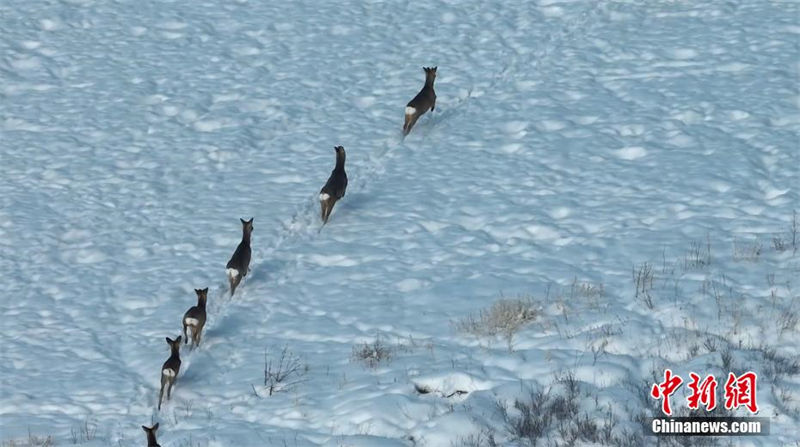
column 739, row 391
column 705, row 393
column 665, row 389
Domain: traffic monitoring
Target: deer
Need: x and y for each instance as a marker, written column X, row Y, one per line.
column 195, row 318
column 335, row 186
column 151, row 435
column 425, row 99
column 239, row 264
column 170, row 369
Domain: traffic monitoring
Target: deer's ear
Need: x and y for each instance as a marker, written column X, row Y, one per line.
column 145, row 429
column 205, row 290
column 434, row 69
column 168, row 340
column 243, row 221
column 155, row 427
column 251, row 220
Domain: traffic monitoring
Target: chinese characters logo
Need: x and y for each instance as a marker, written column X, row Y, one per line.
column 740, row 391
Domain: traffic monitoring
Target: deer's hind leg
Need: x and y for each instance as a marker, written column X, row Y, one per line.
column 161, row 393
column 327, row 208
column 197, row 333
column 192, row 329
column 410, row 121
column 169, row 389
column 235, row 280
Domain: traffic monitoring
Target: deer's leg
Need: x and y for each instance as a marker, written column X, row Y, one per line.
column 236, row 282
column 327, row 209
column 323, row 205
column 161, row 393
column 410, row 122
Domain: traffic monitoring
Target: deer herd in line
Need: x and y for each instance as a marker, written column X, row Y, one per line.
column 239, row 265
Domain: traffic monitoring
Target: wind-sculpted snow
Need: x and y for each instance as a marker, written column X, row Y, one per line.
column 574, row 144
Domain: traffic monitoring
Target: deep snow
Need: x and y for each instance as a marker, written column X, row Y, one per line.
column 572, row 141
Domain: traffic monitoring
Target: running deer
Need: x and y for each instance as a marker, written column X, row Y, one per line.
column 425, row 99
column 239, row 264
column 195, row 318
column 151, row 435
column 335, row 186
column 170, row 369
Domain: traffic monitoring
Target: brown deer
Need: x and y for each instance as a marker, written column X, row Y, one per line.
column 335, row 186
column 195, row 318
column 151, row 435
column 425, row 99
column 170, row 369
column 239, row 264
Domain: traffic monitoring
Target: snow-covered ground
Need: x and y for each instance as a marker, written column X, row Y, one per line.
column 575, row 144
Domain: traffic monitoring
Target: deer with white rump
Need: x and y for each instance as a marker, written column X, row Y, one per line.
column 239, row 264
column 424, row 101
column 170, row 369
column 195, row 318
column 335, row 186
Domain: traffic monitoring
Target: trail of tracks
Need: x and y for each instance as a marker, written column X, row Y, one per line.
column 304, row 225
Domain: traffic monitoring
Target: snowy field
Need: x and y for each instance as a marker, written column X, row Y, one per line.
column 575, row 147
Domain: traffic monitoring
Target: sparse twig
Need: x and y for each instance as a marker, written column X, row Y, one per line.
column 643, row 281
column 283, row 373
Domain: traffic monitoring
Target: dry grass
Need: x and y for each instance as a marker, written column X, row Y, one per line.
column 84, row 433
column 698, row 256
column 32, row 441
column 373, row 354
column 643, row 282
column 747, row 251
column 543, row 416
column 505, row 317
